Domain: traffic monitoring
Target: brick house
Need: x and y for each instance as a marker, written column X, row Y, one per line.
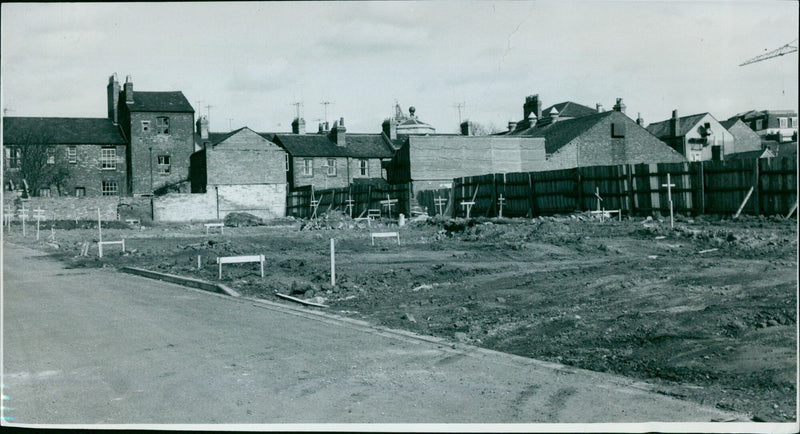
column 91, row 151
column 159, row 127
column 776, row 125
column 744, row 138
column 331, row 159
column 698, row 137
column 600, row 139
column 242, row 170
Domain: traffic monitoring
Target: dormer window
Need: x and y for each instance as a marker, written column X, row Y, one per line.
column 162, row 125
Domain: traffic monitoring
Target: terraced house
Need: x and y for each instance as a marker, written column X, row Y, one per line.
column 64, row 156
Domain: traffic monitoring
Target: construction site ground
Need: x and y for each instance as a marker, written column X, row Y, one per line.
column 706, row 311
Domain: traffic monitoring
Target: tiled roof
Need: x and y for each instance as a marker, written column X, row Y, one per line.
column 558, row 134
column 662, row 129
column 158, row 102
column 78, row 131
column 759, row 153
column 569, row 109
column 320, row 145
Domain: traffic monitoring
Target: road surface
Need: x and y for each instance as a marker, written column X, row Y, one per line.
column 94, row 346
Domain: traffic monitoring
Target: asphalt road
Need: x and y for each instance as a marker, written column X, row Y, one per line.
column 93, row 346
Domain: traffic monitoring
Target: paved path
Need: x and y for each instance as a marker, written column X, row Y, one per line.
column 93, row 346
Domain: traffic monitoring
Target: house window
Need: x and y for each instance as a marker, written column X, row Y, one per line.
column 783, row 122
column 363, row 166
column 792, row 122
column 108, row 158
column 163, row 164
column 759, row 124
column 80, row 191
column 13, row 156
column 51, row 155
column 72, row 154
column 162, row 125
column 145, row 126
column 287, row 162
column 109, row 188
column 695, row 156
column 331, row 167
column 308, row 167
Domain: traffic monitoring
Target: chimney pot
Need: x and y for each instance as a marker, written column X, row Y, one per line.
column 466, row 128
column 619, row 106
column 128, row 90
column 599, row 108
column 390, row 128
column 675, row 124
column 202, row 127
column 298, row 126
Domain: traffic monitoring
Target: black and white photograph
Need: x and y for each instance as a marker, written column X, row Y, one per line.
column 405, row 216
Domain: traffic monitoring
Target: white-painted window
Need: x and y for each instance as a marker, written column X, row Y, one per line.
column 109, row 188
column 784, row 122
column 163, row 164
column 80, row 191
column 44, row 192
column 72, row 154
column 363, row 167
column 108, row 158
column 51, row 155
column 792, row 122
column 308, row 167
column 331, row 167
column 13, row 156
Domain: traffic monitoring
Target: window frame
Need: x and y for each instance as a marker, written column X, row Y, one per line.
column 162, row 125
column 80, row 191
column 363, row 167
column 13, row 156
column 783, row 122
column 330, row 166
column 163, row 164
column 108, row 162
column 50, row 152
column 106, row 187
column 308, row 167
column 72, row 154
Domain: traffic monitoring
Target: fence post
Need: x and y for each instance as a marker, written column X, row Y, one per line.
column 579, row 186
column 756, row 187
column 631, row 189
column 531, row 197
column 702, row 185
column 493, row 204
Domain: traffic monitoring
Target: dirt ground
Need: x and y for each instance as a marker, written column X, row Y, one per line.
column 706, row 311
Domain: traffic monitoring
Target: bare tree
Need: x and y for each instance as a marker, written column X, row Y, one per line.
column 484, row 129
column 38, row 166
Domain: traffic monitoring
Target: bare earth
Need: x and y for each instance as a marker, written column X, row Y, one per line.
column 635, row 297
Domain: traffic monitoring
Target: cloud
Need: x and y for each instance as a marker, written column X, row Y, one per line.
column 260, row 78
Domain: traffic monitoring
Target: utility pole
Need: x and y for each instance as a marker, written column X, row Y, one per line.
column 230, row 128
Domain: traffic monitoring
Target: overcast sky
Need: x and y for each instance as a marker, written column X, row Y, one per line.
column 251, row 61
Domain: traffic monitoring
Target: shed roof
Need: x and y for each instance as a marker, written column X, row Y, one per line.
column 159, row 102
column 662, row 129
column 62, row 131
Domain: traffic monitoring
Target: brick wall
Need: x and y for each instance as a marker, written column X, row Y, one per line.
column 65, row 208
column 596, row 147
column 147, row 146
column 262, row 200
column 87, row 171
column 254, row 160
column 745, row 139
column 320, row 179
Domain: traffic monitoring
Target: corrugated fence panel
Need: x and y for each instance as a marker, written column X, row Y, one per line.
column 610, row 182
column 555, row 191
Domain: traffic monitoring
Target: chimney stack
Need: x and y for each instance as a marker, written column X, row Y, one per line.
column 674, row 124
column 599, row 108
column 202, row 127
column 113, row 98
column 532, row 105
column 466, row 128
column 390, row 128
column 128, row 90
column 639, row 119
column 298, row 126
column 619, row 106
column 512, row 126
column 338, row 133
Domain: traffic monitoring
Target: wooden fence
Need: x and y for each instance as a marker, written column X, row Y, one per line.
column 364, row 198
column 708, row 187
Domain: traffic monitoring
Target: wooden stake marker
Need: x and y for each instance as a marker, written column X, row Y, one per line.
column 350, row 205
column 384, row 235
column 23, row 215
column 219, row 225
column 389, row 203
column 39, row 215
column 500, row 201
column 440, row 201
column 669, row 186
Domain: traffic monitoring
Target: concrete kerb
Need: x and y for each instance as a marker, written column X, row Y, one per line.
column 607, row 380
column 181, row 280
